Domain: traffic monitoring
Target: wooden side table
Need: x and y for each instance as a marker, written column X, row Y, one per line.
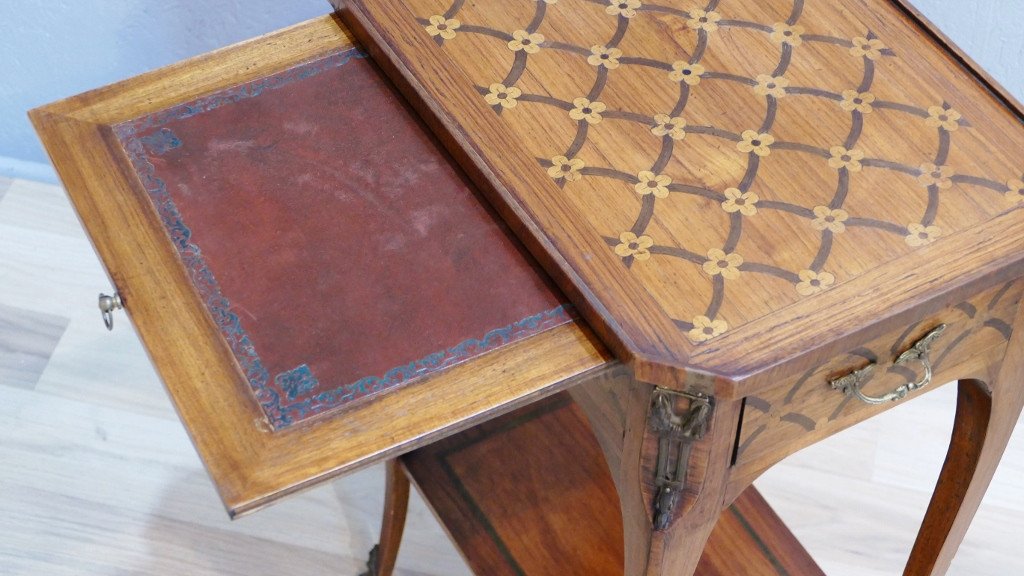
column 321, row 288
column 782, row 216
column 203, row 188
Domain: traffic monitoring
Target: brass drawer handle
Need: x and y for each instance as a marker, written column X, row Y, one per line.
column 851, row 384
column 107, row 306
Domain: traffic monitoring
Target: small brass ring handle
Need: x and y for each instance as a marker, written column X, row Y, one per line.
column 107, row 306
column 851, row 384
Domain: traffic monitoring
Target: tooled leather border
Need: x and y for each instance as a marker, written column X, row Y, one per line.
column 294, row 395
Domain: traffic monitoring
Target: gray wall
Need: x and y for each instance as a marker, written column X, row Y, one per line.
column 990, row 31
column 51, row 49
column 56, row 48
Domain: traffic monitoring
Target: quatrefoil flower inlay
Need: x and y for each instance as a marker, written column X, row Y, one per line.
column 743, row 202
column 565, row 168
column 857, row 101
column 843, row 158
column 705, row 329
column 706, row 20
column 585, row 110
column 943, row 117
column 653, row 184
column 443, row 27
column 720, row 263
column 673, row 127
column 686, row 72
column 526, row 41
column 831, row 219
column 920, row 235
column 783, row 33
column 938, row 176
column 501, row 95
column 624, row 8
column 812, row 282
column 604, row 56
column 603, row 77
column 768, row 85
column 633, row 246
column 758, row 143
column 867, row 48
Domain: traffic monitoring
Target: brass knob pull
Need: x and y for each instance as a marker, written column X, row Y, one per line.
column 107, row 306
column 851, row 384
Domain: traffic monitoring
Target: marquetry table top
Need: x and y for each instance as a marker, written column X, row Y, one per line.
column 708, row 177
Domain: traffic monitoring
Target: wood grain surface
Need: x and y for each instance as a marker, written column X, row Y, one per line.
column 806, row 410
column 100, row 477
column 701, row 177
column 250, row 464
column 986, row 414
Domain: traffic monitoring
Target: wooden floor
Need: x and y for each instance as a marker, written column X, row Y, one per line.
column 98, row 477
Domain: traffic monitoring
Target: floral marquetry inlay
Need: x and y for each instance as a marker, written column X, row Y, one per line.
column 808, row 407
column 736, row 156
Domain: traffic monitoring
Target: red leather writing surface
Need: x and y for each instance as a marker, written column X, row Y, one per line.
column 335, row 244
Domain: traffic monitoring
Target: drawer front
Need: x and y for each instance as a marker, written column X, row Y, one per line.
column 796, row 414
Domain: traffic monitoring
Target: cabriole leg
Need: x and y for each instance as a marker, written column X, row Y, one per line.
column 985, row 418
column 396, row 504
column 669, row 454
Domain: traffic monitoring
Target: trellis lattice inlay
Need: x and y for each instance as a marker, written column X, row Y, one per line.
column 722, row 138
column 810, row 406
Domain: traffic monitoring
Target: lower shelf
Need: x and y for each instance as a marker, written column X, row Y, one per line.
column 530, row 494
